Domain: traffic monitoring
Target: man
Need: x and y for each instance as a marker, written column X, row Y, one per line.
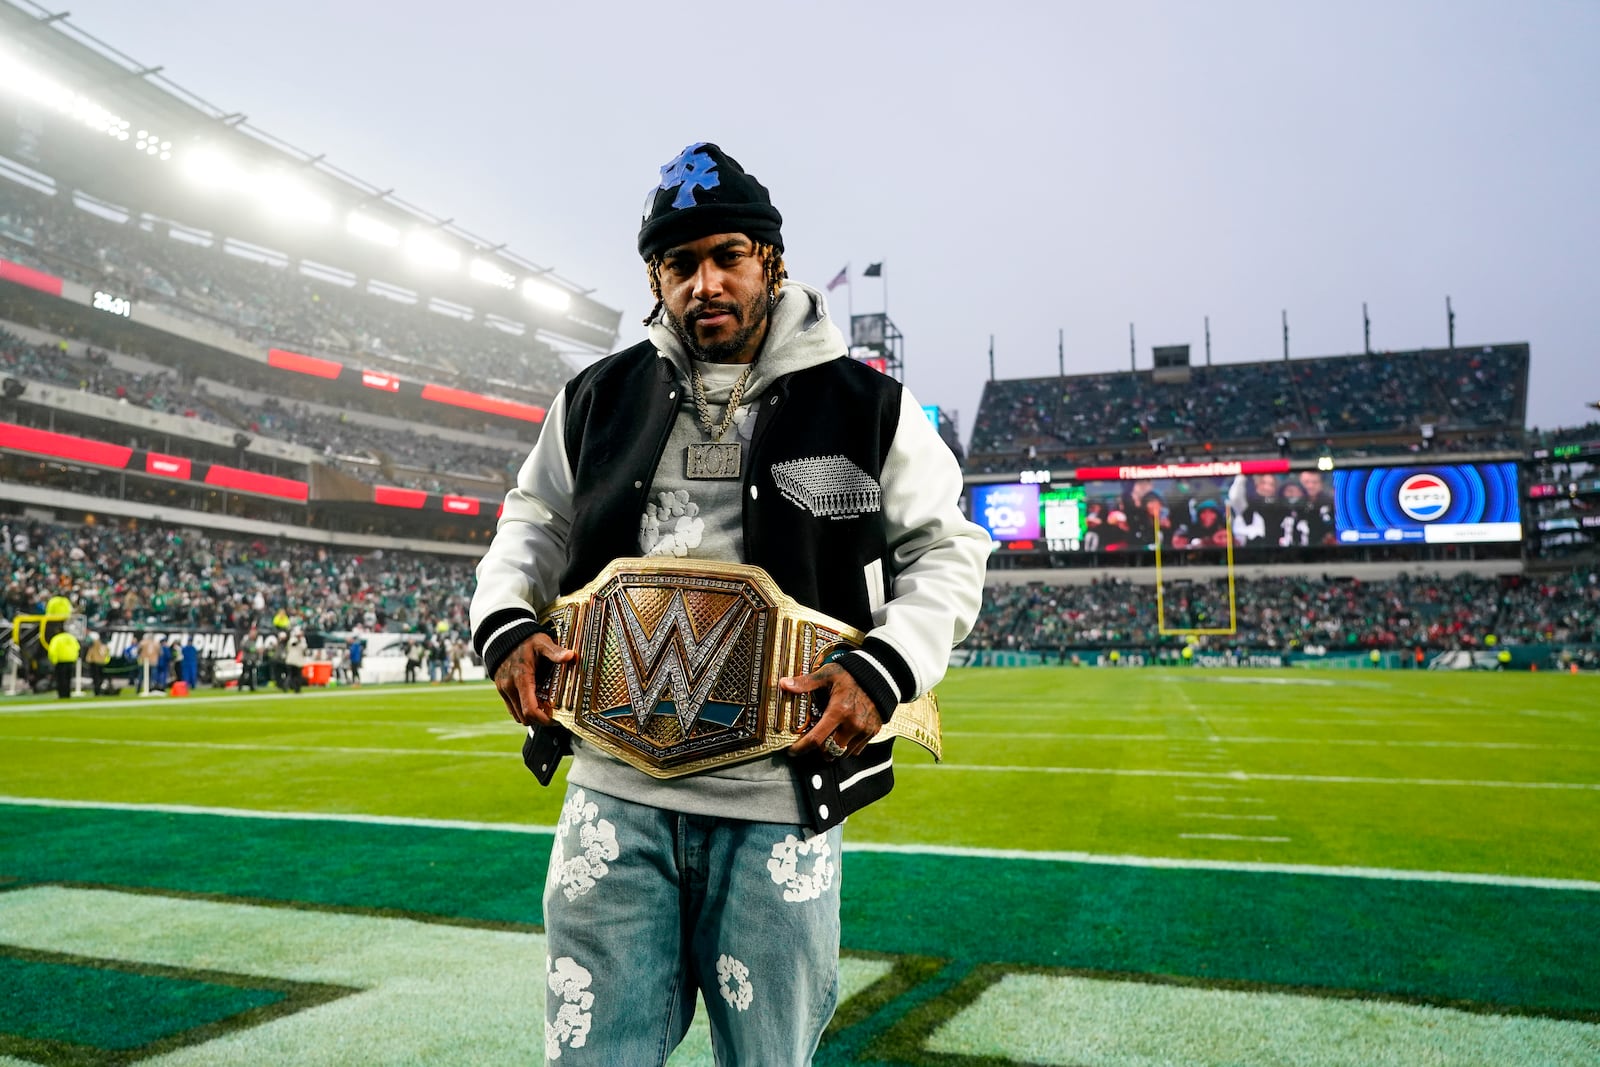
column 63, row 653
column 97, row 655
column 738, row 433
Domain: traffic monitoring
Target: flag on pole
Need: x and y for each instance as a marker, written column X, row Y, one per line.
column 842, row 278
column 873, row 270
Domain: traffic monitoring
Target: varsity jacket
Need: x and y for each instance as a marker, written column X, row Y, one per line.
column 849, row 501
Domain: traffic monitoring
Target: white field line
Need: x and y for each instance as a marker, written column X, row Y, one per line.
column 387, row 692
column 365, row 722
column 1239, row 776
column 1223, row 800
column 976, row 768
column 1177, row 743
column 955, row 851
column 1234, row 837
column 303, row 816
column 1225, row 815
column 224, row 746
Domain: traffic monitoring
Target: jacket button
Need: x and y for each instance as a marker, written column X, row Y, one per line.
column 672, row 395
column 816, row 781
column 822, row 810
column 774, row 400
column 638, row 485
column 753, row 493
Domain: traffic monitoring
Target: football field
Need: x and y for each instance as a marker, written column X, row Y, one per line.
column 1111, row 868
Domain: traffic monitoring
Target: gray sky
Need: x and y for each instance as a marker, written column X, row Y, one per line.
column 1019, row 167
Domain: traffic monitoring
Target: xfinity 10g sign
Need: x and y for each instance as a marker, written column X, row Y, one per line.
column 1009, row 512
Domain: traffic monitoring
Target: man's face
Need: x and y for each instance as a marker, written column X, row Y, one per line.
column 714, row 292
column 1311, row 482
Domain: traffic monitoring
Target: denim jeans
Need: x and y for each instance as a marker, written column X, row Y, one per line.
column 645, row 908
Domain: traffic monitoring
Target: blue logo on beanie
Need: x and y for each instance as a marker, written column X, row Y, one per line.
column 692, row 170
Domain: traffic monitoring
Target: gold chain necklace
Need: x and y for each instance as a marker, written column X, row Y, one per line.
column 717, row 461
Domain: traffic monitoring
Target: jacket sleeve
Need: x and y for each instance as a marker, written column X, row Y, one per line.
column 931, row 585
column 521, row 571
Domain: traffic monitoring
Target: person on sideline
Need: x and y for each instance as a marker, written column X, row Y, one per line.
column 740, row 432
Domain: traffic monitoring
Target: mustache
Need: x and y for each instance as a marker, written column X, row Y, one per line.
column 714, row 309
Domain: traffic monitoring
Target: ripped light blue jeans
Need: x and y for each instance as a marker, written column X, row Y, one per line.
column 647, row 909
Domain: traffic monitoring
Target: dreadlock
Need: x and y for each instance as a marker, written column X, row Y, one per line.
column 771, row 267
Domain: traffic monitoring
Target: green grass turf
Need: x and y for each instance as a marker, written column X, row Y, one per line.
column 1491, row 946
column 1525, row 746
column 54, row 1001
column 1481, row 773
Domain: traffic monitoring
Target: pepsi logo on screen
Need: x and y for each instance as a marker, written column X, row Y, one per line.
column 1423, row 497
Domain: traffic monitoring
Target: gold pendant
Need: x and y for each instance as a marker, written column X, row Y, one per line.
column 712, row 462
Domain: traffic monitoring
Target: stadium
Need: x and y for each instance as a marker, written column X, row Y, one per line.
column 1276, row 741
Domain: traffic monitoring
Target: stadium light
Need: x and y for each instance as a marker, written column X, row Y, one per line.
column 484, row 271
column 370, row 229
column 546, row 295
column 25, row 81
column 289, row 198
column 1325, row 463
column 214, row 169
column 427, row 251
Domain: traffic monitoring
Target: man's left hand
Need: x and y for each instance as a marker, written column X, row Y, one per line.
column 849, row 717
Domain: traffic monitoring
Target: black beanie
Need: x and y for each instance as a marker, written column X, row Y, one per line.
column 705, row 191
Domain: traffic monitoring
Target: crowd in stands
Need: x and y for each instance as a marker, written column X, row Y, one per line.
column 1474, row 398
column 1285, row 613
column 375, row 454
column 271, row 305
column 145, row 575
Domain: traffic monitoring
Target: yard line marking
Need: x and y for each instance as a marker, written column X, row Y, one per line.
column 227, row 746
column 1098, row 859
column 1224, row 800
column 1232, row 837
column 308, row 720
column 1225, row 815
column 343, row 693
column 1240, row 776
column 1181, row 743
column 303, row 816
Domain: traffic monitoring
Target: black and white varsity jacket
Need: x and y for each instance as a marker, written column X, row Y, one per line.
column 895, row 559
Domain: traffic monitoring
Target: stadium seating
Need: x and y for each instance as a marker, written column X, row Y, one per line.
column 270, row 305
column 1294, row 612
column 1475, row 399
column 148, row 575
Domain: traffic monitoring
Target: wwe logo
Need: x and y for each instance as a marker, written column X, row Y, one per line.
column 673, row 656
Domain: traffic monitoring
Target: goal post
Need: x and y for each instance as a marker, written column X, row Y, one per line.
column 1233, row 605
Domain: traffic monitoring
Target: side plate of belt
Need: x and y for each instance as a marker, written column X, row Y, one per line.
column 678, row 666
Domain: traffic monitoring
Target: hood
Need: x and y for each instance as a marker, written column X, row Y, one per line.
column 800, row 335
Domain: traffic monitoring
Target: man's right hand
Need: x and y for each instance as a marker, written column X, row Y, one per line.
column 515, row 679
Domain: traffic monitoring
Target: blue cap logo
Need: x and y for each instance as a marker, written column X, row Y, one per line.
column 691, row 170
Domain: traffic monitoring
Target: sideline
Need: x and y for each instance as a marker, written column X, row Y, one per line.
column 953, row 851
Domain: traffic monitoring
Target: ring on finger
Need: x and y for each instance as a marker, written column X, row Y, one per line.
column 832, row 747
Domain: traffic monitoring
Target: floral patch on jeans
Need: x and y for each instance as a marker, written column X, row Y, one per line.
column 570, row 1026
column 788, row 858
column 733, row 982
column 596, row 837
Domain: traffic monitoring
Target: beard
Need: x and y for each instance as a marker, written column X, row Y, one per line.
column 750, row 318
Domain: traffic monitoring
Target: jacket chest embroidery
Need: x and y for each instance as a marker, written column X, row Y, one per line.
column 829, row 487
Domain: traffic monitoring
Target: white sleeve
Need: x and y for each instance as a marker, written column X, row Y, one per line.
column 521, row 571
column 937, row 557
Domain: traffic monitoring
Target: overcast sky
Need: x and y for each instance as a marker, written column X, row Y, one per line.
column 1020, row 168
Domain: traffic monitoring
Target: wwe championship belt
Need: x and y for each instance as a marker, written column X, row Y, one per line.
column 678, row 666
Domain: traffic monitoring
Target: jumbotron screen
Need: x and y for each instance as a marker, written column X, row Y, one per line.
column 1445, row 504
column 1263, row 510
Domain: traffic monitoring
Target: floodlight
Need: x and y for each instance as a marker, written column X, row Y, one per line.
column 289, row 198
column 371, row 229
column 484, row 271
column 428, row 251
column 546, row 295
column 1325, row 463
column 214, row 169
